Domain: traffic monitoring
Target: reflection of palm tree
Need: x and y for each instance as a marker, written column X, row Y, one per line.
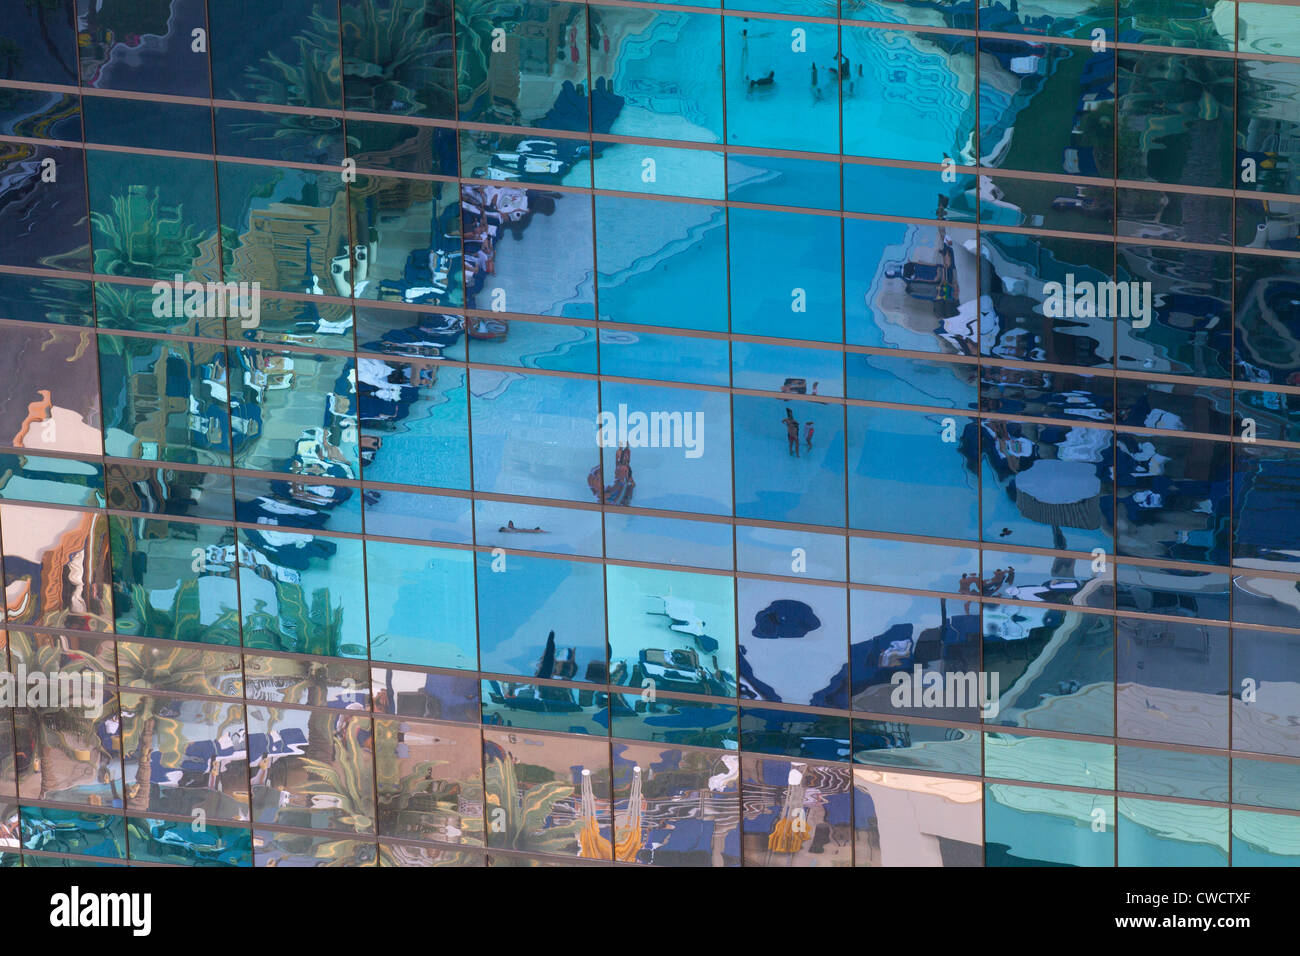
column 474, row 24
column 60, row 731
column 314, row 629
column 319, row 745
column 393, row 60
column 422, row 786
column 182, row 622
column 140, row 237
column 181, row 669
column 517, row 819
column 11, row 55
column 344, row 776
column 57, row 7
column 311, row 81
column 294, row 624
column 1202, row 91
column 121, row 302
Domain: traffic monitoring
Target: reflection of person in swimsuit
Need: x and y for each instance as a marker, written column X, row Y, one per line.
column 970, row 583
column 791, row 432
column 509, row 528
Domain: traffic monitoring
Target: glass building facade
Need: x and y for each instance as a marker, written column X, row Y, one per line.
column 470, row 432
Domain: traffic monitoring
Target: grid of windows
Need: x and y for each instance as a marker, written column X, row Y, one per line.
column 467, row 431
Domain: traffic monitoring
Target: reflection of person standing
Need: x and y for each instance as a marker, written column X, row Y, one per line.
column 791, row 432
column 808, row 434
column 970, row 584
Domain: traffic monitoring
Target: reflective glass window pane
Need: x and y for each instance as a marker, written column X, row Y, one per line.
column 1156, row 833
column 1039, row 827
column 401, row 582
column 783, row 84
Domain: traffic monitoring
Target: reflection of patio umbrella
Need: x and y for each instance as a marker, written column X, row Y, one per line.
column 785, row 619
column 630, row 845
column 791, row 829
column 1063, row 494
column 592, row 845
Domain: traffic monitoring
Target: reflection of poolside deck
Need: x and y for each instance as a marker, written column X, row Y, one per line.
column 910, row 323
column 546, row 270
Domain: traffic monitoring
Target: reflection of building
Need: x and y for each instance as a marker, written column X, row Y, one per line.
column 167, row 411
column 64, row 584
column 363, row 607
column 923, row 821
column 286, row 245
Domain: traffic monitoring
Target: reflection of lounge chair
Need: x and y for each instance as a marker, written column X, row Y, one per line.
column 533, row 698
column 488, row 329
column 509, row 528
column 425, row 278
column 929, row 281
column 205, row 844
column 923, row 273
column 524, row 166
column 290, row 742
column 921, row 280
column 674, row 669
column 542, row 705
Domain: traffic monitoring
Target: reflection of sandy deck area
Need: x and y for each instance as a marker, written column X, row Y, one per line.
column 1091, row 706
column 538, row 345
column 678, row 171
column 1281, row 590
column 1275, row 834
column 1289, row 565
column 884, row 13
column 1049, row 760
column 1173, row 716
column 1069, row 804
column 1268, row 726
column 1171, row 773
column 1178, row 822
